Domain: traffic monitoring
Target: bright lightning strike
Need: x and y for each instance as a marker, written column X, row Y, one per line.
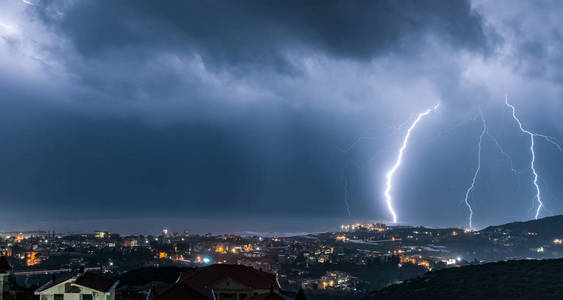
column 532, row 162
column 391, row 172
column 476, row 173
column 554, row 141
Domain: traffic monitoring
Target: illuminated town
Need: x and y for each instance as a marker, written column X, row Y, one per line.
column 350, row 262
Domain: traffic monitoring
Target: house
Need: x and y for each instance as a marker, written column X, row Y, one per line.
column 5, row 270
column 79, row 286
column 231, row 282
column 219, row 282
column 180, row 291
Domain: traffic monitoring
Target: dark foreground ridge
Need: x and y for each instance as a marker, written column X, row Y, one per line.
column 518, row 279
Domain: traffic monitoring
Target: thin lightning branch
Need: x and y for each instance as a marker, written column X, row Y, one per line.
column 374, row 155
column 400, row 126
column 472, row 186
column 391, row 172
column 373, row 138
column 346, row 197
column 532, row 162
column 357, row 141
column 508, row 157
column 552, row 140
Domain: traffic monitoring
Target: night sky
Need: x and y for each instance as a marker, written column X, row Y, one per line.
column 276, row 109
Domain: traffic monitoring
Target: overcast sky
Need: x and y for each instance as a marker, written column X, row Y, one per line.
column 122, row 109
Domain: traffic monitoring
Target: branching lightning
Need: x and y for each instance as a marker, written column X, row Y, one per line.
column 554, row 141
column 476, row 173
column 391, row 172
column 532, row 162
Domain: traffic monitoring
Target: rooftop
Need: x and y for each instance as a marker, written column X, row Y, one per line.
column 248, row 276
column 87, row 279
column 184, row 290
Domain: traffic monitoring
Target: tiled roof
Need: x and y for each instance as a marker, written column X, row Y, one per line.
column 56, row 281
column 4, row 265
column 96, row 282
column 248, row 276
column 88, row 279
column 184, row 291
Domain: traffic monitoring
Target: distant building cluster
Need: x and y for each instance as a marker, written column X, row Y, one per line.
column 54, row 264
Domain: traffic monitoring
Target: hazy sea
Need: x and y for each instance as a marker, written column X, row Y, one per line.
column 255, row 226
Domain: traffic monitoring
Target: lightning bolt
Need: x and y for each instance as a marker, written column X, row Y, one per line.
column 532, row 162
column 391, row 172
column 554, row 141
column 477, row 170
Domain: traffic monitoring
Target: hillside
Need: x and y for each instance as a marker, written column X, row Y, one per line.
column 549, row 227
column 520, row 279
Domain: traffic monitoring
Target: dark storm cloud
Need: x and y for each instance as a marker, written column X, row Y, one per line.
column 180, row 108
column 126, row 167
column 262, row 32
column 540, row 55
column 155, row 53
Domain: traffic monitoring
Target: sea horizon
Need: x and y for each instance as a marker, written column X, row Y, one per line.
column 250, row 226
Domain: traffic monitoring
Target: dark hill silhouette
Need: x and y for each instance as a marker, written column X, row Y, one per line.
column 549, row 227
column 519, row 279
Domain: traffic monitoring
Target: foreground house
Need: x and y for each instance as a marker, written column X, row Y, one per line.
column 5, row 270
column 232, row 282
column 79, row 286
column 182, row 290
column 220, row 282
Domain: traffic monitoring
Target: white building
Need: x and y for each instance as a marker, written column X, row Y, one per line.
column 80, row 286
column 5, row 270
